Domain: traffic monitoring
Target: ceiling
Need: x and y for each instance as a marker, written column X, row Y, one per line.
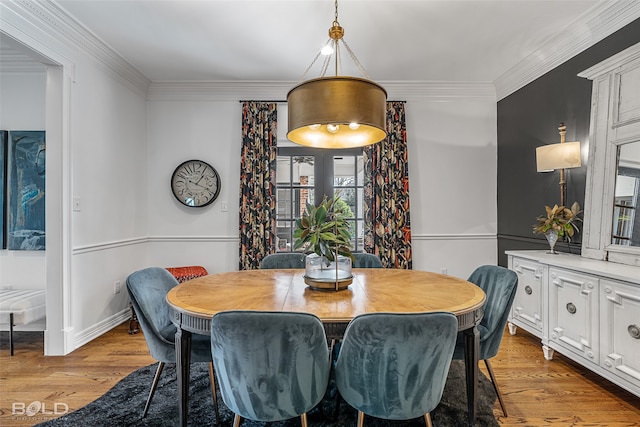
column 276, row 40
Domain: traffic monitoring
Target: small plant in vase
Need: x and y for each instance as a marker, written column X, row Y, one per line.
column 558, row 223
column 324, row 231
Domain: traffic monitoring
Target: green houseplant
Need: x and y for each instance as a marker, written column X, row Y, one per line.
column 324, row 231
column 558, row 223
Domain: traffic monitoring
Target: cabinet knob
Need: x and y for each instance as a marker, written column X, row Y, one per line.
column 607, row 289
column 608, row 363
column 554, row 336
column 528, row 290
column 590, row 285
column 590, row 354
column 634, row 331
column 571, row 308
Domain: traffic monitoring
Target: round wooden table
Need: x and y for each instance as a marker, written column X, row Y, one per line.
column 193, row 303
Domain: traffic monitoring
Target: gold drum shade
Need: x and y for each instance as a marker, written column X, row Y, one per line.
column 337, row 112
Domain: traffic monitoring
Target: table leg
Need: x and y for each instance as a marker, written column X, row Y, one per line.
column 471, row 345
column 183, row 367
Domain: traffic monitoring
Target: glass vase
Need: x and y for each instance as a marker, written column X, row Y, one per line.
column 322, row 274
column 552, row 238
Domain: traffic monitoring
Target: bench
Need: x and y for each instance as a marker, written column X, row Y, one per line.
column 21, row 306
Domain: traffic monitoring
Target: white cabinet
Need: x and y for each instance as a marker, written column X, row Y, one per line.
column 620, row 329
column 526, row 310
column 588, row 310
column 573, row 313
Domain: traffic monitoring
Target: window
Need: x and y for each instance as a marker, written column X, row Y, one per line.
column 307, row 175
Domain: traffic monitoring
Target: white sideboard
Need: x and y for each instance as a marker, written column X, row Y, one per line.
column 588, row 310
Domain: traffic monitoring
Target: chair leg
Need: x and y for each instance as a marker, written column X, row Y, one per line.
column 237, row 420
column 153, row 388
column 360, row 419
column 212, row 377
column 303, row 419
column 495, row 386
column 427, row 419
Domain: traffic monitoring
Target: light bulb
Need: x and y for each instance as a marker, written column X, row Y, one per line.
column 354, row 126
column 327, row 50
column 314, row 127
column 332, row 128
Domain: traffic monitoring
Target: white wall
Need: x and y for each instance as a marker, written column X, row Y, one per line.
column 109, row 179
column 22, row 101
column 180, row 131
column 453, row 181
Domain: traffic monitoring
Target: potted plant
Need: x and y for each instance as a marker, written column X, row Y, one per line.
column 324, row 232
column 558, row 223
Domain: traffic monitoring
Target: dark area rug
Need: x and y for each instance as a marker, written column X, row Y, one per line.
column 123, row 404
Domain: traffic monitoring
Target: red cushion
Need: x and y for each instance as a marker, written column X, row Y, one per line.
column 182, row 274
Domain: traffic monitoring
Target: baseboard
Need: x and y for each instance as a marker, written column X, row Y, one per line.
column 100, row 328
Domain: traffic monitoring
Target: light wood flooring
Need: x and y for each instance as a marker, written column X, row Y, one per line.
column 537, row 392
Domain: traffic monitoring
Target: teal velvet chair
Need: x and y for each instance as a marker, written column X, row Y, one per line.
column 394, row 366
column 271, row 366
column 364, row 260
column 283, row 260
column 499, row 284
column 147, row 290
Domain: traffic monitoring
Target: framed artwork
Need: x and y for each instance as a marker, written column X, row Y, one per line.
column 26, row 169
column 3, row 185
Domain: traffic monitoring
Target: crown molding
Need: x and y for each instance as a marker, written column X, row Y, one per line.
column 599, row 22
column 236, row 90
column 54, row 21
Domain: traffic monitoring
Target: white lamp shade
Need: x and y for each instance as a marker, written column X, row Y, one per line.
column 565, row 155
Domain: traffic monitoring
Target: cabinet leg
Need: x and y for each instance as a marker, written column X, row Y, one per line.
column 548, row 352
column 512, row 328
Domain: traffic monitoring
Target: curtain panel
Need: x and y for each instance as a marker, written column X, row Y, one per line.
column 386, row 193
column 257, row 183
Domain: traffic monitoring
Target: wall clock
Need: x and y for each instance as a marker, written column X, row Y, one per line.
column 195, row 183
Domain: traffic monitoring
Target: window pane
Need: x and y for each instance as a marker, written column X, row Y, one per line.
column 343, row 171
column 283, row 170
column 348, row 196
column 283, row 203
column 283, row 236
column 303, row 170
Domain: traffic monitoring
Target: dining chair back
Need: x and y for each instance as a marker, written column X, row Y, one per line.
column 394, row 365
column 499, row 284
column 283, row 260
column 147, row 290
column 365, row 260
column 271, row 366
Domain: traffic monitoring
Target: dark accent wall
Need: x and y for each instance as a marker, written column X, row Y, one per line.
column 529, row 118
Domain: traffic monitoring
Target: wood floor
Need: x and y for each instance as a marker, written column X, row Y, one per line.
column 537, row 392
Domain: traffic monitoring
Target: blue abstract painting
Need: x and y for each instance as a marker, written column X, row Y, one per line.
column 3, row 185
column 25, row 192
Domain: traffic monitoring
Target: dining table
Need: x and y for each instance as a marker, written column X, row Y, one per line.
column 192, row 304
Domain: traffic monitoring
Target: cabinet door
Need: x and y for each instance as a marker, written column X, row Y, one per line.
column 573, row 313
column 526, row 310
column 620, row 329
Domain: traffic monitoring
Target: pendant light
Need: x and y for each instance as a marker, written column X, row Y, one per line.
column 337, row 111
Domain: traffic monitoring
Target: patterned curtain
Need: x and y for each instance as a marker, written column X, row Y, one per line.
column 386, row 198
column 257, row 183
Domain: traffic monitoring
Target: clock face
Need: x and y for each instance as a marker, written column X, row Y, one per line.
column 195, row 183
